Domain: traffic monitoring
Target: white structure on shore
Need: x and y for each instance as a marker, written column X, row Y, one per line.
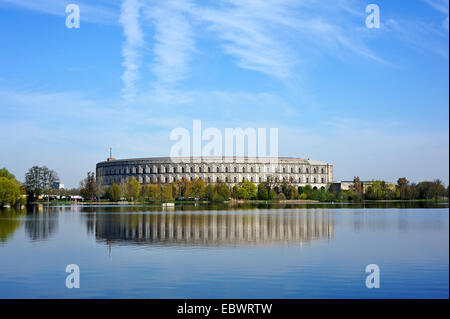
column 160, row 170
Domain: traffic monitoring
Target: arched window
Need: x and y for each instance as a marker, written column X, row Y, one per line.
column 315, row 180
column 182, row 169
column 192, row 169
column 174, row 169
column 243, row 169
column 209, row 169
column 323, row 180
column 307, row 180
column 218, row 169
column 251, row 169
column 209, row 179
column 299, row 179
column 235, row 169
column 200, row 169
column 226, row 169
column 226, row 179
column 251, row 179
column 292, row 170
column 235, row 179
column 307, row 170
column 284, row 169
column 217, row 180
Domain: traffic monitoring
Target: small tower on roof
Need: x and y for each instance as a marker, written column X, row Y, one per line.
column 110, row 158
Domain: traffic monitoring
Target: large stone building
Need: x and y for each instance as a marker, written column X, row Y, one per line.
column 159, row 170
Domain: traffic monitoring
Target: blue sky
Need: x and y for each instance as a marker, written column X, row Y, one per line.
column 374, row 102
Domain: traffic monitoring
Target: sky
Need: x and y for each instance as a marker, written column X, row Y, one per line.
column 374, row 102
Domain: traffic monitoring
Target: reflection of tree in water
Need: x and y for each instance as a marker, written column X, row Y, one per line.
column 41, row 223
column 9, row 222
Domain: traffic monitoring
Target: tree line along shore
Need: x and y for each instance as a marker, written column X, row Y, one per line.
column 39, row 181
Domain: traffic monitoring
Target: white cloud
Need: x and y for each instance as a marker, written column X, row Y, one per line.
column 173, row 40
column 129, row 18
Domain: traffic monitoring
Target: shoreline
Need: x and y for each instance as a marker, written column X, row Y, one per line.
column 234, row 202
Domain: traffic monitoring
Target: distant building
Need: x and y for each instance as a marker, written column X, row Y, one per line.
column 160, row 170
column 57, row 186
column 347, row 185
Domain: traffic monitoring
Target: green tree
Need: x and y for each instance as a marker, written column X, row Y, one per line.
column 9, row 192
column 263, row 194
column 39, row 180
column 272, row 194
column 249, row 190
column 133, row 190
column 403, row 188
column 5, row 173
column 223, row 191
column 115, row 192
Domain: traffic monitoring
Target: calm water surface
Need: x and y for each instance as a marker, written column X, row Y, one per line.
column 316, row 251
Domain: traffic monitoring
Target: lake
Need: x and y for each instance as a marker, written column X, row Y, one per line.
column 208, row 251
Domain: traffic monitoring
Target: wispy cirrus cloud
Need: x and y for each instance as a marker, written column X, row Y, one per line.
column 173, row 40
column 441, row 6
column 273, row 36
column 129, row 18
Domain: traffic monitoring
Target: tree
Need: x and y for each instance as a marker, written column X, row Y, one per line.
column 152, row 192
column 184, row 186
column 403, row 187
column 89, row 186
column 167, row 192
column 272, row 195
column 115, row 192
column 357, row 185
column 5, row 173
column 133, row 189
column 250, row 189
column 357, row 188
column 39, row 180
column 223, row 191
column 9, row 192
column 196, row 189
column 437, row 189
column 210, row 192
column 262, row 194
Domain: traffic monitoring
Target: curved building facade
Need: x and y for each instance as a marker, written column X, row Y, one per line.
column 160, row 170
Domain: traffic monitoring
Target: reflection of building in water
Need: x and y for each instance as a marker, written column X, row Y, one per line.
column 294, row 227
